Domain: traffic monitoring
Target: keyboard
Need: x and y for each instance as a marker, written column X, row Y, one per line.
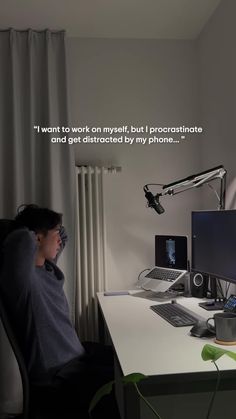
column 175, row 314
column 169, row 275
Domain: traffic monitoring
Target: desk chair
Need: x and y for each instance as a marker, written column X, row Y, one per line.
column 20, row 360
column 39, row 394
column 6, row 226
column 38, row 400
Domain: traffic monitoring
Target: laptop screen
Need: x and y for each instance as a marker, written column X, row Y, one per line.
column 171, row 252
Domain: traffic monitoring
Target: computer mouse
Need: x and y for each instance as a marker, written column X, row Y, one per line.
column 200, row 330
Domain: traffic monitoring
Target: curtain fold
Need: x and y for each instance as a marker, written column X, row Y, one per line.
column 33, row 93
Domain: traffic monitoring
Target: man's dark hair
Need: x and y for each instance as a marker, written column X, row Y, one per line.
column 36, row 218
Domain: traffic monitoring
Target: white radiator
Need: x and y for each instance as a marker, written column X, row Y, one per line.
column 91, row 248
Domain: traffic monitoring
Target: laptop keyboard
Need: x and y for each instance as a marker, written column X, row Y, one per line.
column 168, row 275
column 175, row 314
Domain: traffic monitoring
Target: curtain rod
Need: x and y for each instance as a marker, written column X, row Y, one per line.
column 33, row 30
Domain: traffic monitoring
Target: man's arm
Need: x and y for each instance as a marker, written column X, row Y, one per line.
column 18, row 262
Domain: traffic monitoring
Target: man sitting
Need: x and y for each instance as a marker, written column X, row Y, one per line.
column 32, row 288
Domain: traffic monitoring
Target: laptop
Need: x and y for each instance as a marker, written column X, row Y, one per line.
column 171, row 258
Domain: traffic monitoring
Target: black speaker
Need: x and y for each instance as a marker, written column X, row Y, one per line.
column 198, row 284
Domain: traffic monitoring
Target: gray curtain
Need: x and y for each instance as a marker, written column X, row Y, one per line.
column 33, row 92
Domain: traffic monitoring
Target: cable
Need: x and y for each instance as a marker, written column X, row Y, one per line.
column 227, row 289
column 219, row 286
column 215, row 191
column 223, row 293
column 147, row 269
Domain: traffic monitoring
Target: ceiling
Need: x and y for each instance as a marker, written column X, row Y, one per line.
column 147, row 19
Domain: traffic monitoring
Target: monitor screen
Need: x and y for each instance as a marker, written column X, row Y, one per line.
column 214, row 243
column 171, row 252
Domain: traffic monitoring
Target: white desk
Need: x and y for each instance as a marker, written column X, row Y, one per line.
column 146, row 343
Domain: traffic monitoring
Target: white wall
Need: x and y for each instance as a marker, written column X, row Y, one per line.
column 138, row 82
column 217, row 87
column 217, row 76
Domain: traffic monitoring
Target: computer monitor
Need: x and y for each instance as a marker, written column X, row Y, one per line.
column 214, row 243
column 171, row 252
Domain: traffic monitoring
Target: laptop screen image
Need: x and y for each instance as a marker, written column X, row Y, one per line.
column 171, row 252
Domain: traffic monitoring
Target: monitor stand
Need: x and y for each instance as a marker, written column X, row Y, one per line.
column 217, row 304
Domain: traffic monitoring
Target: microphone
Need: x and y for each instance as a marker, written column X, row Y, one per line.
column 153, row 201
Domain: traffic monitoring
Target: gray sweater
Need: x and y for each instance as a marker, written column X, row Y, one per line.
column 38, row 308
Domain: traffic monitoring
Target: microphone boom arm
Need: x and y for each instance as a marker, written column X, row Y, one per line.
column 195, row 181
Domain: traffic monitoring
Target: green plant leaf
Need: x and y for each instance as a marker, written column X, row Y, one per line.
column 107, row 388
column 102, row 391
column 212, row 353
column 133, row 378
